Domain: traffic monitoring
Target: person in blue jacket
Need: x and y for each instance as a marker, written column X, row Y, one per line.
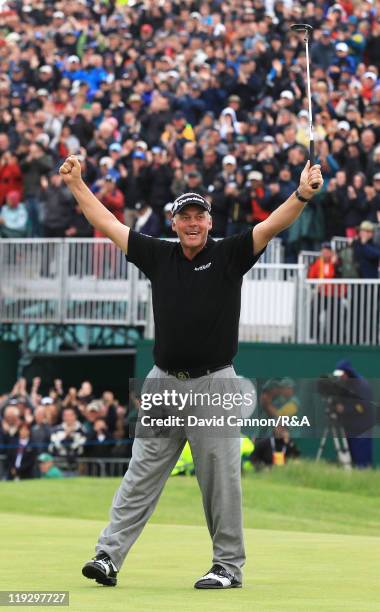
column 367, row 253
column 356, row 413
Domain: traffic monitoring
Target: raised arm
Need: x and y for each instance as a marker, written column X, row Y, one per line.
column 290, row 210
column 94, row 211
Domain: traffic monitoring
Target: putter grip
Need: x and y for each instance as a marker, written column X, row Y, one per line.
column 312, row 161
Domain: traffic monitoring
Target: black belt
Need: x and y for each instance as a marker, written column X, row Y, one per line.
column 194, row 372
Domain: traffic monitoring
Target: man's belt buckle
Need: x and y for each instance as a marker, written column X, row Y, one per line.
column 183, row 375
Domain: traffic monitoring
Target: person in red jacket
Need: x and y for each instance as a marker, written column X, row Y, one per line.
column 112, row 198
column 326, row 305
column 10, row 176
column 257, row 193
column 325, row 266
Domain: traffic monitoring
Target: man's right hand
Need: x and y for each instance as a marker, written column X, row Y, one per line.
column 71, row 171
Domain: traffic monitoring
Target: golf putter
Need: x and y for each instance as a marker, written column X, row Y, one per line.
column 307, row 29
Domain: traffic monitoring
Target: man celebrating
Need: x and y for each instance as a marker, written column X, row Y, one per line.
column 196, row 288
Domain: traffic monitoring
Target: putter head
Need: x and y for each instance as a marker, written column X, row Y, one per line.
column 301, row 27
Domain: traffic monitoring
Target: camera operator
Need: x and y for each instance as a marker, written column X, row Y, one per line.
column 355, row 412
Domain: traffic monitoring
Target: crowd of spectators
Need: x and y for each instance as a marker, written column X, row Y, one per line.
column 64, row 425
column 158, row 97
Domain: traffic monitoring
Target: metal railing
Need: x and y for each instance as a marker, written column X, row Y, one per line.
column 306, row 258
column 269, row 303
column 99, row 467
column 339, row 242
column 341, row 311
column 90, row 281
column 75, row 281
column 86, row 466
column 65, row 281
column 274, row 253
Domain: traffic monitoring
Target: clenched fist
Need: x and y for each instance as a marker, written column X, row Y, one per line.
column 309, row 177
column 71, row 170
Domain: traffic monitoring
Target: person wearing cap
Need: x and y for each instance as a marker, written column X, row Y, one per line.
column 367, row 253
column 369, row 81
column 168, row 230
column 46, row 78
column 280, row 399
column 196, row 286
column 270, row 390
column 74, row 70
column 147, row 221
column 229, row 126
column 288, row 403
column 343, row 59
column 256, row 194
column 355, row 412
column 322, row 50
column 287, row 99
column 235, row 102
column 47, row 468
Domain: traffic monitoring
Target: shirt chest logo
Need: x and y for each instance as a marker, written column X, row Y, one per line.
column 204, row 267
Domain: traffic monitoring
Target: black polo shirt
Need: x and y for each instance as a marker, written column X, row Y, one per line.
column 196, row 304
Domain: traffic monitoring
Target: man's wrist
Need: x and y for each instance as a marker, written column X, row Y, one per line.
column 301, row 196
column 76, row 185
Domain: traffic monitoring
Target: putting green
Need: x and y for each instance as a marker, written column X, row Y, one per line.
column 285, row 570
column 311, row 532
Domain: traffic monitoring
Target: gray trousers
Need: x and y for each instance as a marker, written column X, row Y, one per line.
column 217, row 468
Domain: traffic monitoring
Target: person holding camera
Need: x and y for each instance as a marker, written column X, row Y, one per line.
column 354, row 409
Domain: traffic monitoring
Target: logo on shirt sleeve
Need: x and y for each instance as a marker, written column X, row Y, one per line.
column 205, row 267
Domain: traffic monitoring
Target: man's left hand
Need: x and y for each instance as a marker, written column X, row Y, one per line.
column 310, row 176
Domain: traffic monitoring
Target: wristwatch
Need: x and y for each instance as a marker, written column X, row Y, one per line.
column 301, row 198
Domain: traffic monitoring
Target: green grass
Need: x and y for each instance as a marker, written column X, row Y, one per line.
column 312, row 540
column 301, row 497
